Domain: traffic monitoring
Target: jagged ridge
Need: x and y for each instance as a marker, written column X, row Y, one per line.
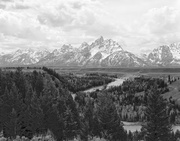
column 100, row 53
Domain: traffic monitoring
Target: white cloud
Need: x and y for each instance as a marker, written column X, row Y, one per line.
column 50, row 23
column 86, row 16
column 162, row 21
column 65, row 21
column 156, row 27
column 26, row 29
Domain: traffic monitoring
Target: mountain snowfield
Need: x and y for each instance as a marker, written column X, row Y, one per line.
column 22, row 57
column 166, row 55
column 101, row 53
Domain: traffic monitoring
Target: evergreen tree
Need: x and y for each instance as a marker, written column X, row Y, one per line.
column 157, row 127
column 20, row 81
column 52, row 116
column 88, row 115
column 130, row 136
column 11, row 124
column 84, row 130
column 111, row 126
column 5, row 110
column 37, row 115
column 70, row 125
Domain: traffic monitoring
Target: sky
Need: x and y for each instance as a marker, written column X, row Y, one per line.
column 138, row 25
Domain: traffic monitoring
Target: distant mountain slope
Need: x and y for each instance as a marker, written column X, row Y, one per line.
column 23, row 57
column 100, row 53
column 166, row 55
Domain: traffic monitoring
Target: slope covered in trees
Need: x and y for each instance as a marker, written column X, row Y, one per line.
column 32, row 103
column 131, row 97
column 74, row 83
column 35, row 102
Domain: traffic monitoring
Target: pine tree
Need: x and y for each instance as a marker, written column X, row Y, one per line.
column 130, row 136
column 5, row 110
column 157, row 127
column 37, row 114
column 111, row 126
column 84, row 131
column 11, row 124
column 70, row 124
column 52, row 116
column 88, row 115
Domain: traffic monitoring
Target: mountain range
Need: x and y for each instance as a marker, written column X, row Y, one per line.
column 100, row 53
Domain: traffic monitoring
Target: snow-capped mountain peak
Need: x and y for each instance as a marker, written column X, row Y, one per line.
column 66, row 48
column 175, row 50
column 101, row 52
column 99, row 41
column 84, row 45
column 23, row 57
column 165, row 55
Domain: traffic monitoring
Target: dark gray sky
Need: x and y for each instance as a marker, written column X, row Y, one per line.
column 139, row 24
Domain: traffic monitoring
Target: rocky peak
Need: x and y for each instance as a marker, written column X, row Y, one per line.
column 99, row 41
column 66, row 48
column 175, row 46
column 84, row 45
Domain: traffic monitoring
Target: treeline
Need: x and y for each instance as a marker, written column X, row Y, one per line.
column 11, row 68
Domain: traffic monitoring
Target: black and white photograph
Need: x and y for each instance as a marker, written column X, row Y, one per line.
column 89, row 70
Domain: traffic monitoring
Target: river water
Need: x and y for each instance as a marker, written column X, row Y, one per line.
column 117, row 82
column 134, row 128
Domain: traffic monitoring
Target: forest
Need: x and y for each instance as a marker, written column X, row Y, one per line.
column 37, row 102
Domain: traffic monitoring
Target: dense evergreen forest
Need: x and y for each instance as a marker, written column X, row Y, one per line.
column 33, row 103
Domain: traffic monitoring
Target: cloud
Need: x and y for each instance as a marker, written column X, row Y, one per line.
column 163, row 21
column 55, row 22
column 21, row 6
column 13, row 4
column 156, row 27
column 86, row 16
column 20, row 30
column 7, row 0
column 2, row 6
column 24, row 26
column 43, row 23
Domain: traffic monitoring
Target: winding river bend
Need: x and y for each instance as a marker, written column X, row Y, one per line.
column 130, row 126
column 117, row 82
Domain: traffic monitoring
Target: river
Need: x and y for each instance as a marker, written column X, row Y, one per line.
column 134, row 128
column 117, row 82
